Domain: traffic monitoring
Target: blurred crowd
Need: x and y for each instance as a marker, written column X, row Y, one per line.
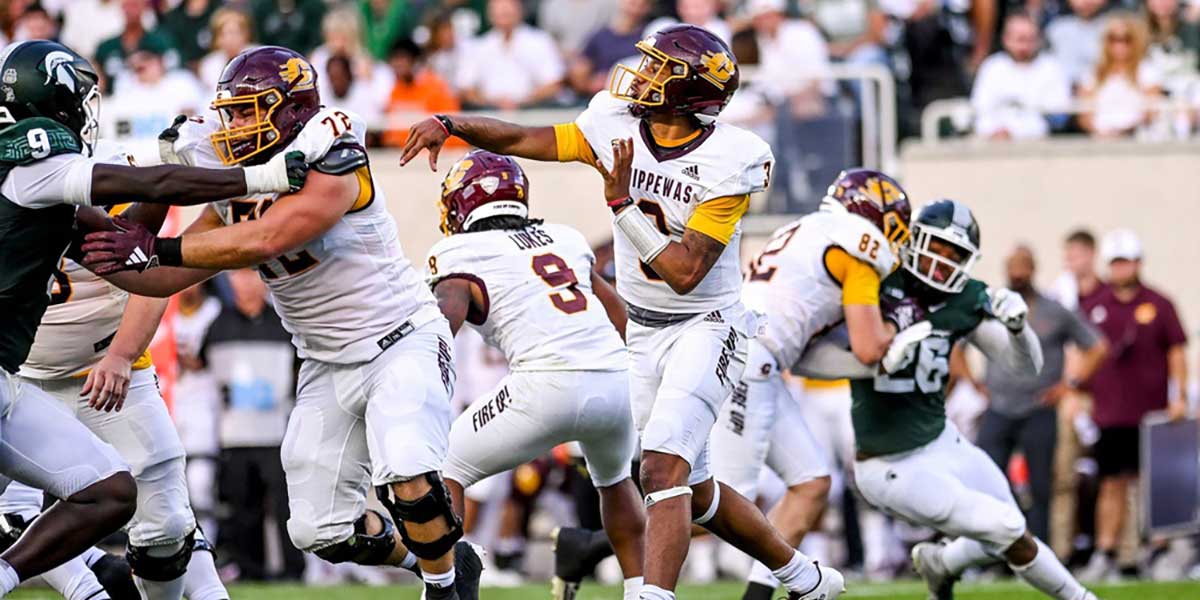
column 1030, row 68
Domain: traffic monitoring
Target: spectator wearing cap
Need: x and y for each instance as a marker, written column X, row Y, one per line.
column 1022, row 411
column 1074, row 38
column 701, row 13
column 232, row 33
column 134, row 37
column 288, row 23
column 513, row 65
column 187, row 24
column 369, row 81
column 792, row 54
column 147, row 99
column 418, row 91
column 609, row 45
column 1019, row 88
column 572, row 22
column 1145, row 371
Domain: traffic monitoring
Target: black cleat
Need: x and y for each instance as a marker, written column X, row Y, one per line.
column 467, row 568
column 576, row 553
column 116, row 577
column 758, row 591
column 433, row 592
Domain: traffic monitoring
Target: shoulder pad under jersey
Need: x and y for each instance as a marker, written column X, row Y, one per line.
column 862, row 240
column 345, row 157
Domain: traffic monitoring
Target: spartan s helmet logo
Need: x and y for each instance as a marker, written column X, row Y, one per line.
column 58, row 69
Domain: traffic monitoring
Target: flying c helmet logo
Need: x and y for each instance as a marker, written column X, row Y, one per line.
column 297, row 73
column 718, row 68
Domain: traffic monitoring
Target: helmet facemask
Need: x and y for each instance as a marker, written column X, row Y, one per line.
column 652, row 75
column 940, row 258
column 90, row 108
column 236, row 144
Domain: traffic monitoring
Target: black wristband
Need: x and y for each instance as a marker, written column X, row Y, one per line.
column 447, row 123
column 620, row 206
column 169, row 251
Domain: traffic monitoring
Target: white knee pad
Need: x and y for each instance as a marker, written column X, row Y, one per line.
column 164, row 514
column 303, row 534
column 712, row 507
column 999, row 525
column 655, row 497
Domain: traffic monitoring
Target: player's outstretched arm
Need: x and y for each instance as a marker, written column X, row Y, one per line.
column 613, row 305
column 157, row 283
column 683, row 264
column 181, row 185
column 537, row 143
column 457, row 297
column 108, row 381
column 1019, row 349
column 292, row 221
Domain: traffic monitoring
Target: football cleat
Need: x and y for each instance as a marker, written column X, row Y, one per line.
column 829, row 586
column 577, row 551
column 468, row 567
column 927, row 561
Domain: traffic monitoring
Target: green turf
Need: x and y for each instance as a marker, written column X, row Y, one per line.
column 723, row 591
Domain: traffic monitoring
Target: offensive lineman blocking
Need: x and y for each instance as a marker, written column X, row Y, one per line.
column 687, row 180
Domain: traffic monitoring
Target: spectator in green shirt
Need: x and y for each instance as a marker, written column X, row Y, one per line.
column 294, row 24
column 387, row 21
column 187, row 24
column 111, row 54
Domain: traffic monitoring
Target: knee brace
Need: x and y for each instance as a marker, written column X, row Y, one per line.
column 200, row 543
column 361, row 547
column 160, row 568
column 435, row 503
column 712, row 507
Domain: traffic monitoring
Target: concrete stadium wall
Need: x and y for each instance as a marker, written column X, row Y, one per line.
column 1033, row 193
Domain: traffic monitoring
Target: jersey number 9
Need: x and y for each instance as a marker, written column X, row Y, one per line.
column 555, row 272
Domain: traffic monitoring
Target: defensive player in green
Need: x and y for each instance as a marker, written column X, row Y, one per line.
column 911, row 461
column 49, row 102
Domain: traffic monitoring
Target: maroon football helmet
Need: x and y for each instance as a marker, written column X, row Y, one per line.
column 483, row 184
column 875, row 197
column 685, row 70
column 275, row 85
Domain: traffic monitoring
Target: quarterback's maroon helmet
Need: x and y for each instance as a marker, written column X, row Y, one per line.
column 483, row 184
column 875, row 197
column 275, row 85
column 685, row 70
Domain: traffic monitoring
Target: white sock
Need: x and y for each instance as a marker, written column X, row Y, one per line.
column 964, row 553
column 410, row 562
column 759, row 573
column 799, row 575
column 161, row 590
column 9, row 580
column 439, row 580
column 633, row 588
column 653, row 592
column 1049, row 575
column 74, row 580
column 201, row 581
column 91, row 555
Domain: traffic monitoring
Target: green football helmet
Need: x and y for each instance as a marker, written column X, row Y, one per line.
column 40, row 78
column 944, row 246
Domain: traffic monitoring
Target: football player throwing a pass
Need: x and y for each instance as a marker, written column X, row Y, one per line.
column 48, row 180
column 373, row 395
column 911, row 461
column 813, row 274
column 529, row 289
column 685, row 181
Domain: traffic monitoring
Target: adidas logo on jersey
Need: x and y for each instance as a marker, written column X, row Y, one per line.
column 714, row 317
column 693, row 172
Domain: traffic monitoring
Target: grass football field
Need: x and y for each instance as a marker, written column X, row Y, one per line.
column 719, row 591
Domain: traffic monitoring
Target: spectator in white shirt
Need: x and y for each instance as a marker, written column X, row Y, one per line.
column 1074, row 39
column 513, row 65
column 790, row 53
column 702, row 13
column 1018, row 88
column 232, row 32
column 146, row 102
column 1123, row 85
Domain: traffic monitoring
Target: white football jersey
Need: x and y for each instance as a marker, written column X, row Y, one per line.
column 348, row 294
column 668, row 185
column 539, row 307
column 788, row 281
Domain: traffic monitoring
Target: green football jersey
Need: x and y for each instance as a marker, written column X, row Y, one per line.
column 32, row 240
column 906, row 410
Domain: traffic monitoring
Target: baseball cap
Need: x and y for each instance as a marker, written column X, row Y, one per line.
column 1120, row 244
column 755, row 8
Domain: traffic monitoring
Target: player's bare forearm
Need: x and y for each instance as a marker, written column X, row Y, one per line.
column 454, row 299
column 138, row 324
column 613, row 305
column 149, row 215
column 537, row 143
column 684, row 264
column 162, row 282
column 164, row 184
column 870, row 335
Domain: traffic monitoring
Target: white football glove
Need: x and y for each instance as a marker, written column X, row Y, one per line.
column 904, row 347
column 1009, row 308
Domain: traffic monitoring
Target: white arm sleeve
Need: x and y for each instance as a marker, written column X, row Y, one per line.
column 1020, row 352
column 59, row 179
column 828, row 360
